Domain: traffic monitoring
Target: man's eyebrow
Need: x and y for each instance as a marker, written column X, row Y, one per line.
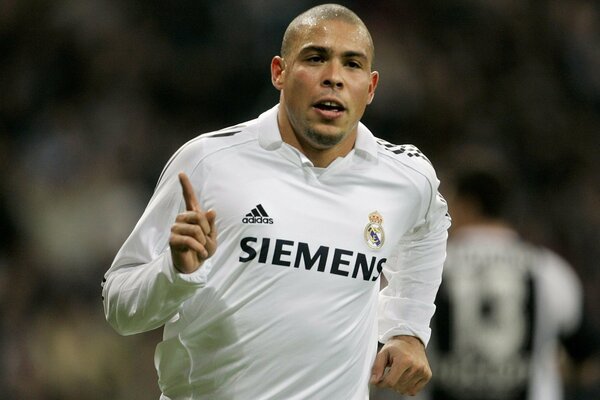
column 353, row 54
column 327, row 50
column 316, row 49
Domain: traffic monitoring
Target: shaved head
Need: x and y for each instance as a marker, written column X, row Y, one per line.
column 315, row 16
column 325, row 78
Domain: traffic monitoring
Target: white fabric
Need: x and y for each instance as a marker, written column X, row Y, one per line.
column 288, row 309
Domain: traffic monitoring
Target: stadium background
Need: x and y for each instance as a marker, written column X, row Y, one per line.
column 95, row 95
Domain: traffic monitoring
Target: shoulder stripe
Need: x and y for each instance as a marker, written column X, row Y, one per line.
column 204, row 136
column 221, row 134
column 406, row 149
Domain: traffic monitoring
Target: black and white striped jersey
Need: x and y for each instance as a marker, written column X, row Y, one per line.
column 502, row 308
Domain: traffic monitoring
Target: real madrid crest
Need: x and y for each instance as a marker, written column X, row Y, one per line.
column 374, row 235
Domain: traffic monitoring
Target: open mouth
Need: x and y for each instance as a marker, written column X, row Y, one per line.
column 329, row 106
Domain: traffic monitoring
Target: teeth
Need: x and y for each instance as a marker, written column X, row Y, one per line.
column 331, row 105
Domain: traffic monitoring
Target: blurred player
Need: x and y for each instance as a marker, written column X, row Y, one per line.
column 262, row 257
column 504, row 305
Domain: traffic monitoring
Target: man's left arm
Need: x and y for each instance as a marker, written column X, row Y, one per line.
column 406, row 304
column 402, row 365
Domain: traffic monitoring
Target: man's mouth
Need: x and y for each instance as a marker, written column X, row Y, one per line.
column 329, row 106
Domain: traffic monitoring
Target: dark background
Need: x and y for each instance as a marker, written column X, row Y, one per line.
column 95, row 95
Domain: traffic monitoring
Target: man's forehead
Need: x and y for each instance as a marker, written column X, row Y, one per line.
column 329, row 33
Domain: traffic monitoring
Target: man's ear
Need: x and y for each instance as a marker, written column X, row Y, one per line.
column 373, row 85
column 277, row 72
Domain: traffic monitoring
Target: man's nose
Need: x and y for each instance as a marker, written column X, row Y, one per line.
column 332, row 76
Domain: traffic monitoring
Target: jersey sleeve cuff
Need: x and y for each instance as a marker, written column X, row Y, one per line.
column 196, row 279
column 403, row 329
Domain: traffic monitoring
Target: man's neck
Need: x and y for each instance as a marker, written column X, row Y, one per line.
column 320, row 157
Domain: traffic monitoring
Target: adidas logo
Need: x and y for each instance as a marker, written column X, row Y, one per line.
column 258, row 215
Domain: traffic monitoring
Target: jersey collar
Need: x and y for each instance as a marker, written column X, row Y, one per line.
column 270, row 138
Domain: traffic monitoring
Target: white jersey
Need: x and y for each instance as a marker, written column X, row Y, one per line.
column 287, row 306
column 502, row 307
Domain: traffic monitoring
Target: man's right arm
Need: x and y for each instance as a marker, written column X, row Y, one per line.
column 142, row 290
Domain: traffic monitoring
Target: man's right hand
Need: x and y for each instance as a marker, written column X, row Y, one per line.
column 193, row 235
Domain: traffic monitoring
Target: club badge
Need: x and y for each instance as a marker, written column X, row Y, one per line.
column 374, row 235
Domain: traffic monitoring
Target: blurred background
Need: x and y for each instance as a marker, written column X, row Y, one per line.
column 95, row 95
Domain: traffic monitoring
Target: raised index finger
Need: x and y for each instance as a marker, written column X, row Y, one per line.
column 191, row 202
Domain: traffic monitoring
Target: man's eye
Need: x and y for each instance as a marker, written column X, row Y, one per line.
column 315, row 59
column 354, row 64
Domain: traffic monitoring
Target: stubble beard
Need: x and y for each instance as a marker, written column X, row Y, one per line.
column 323, row 141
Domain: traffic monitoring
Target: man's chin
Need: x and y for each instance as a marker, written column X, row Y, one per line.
column 324, row 139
